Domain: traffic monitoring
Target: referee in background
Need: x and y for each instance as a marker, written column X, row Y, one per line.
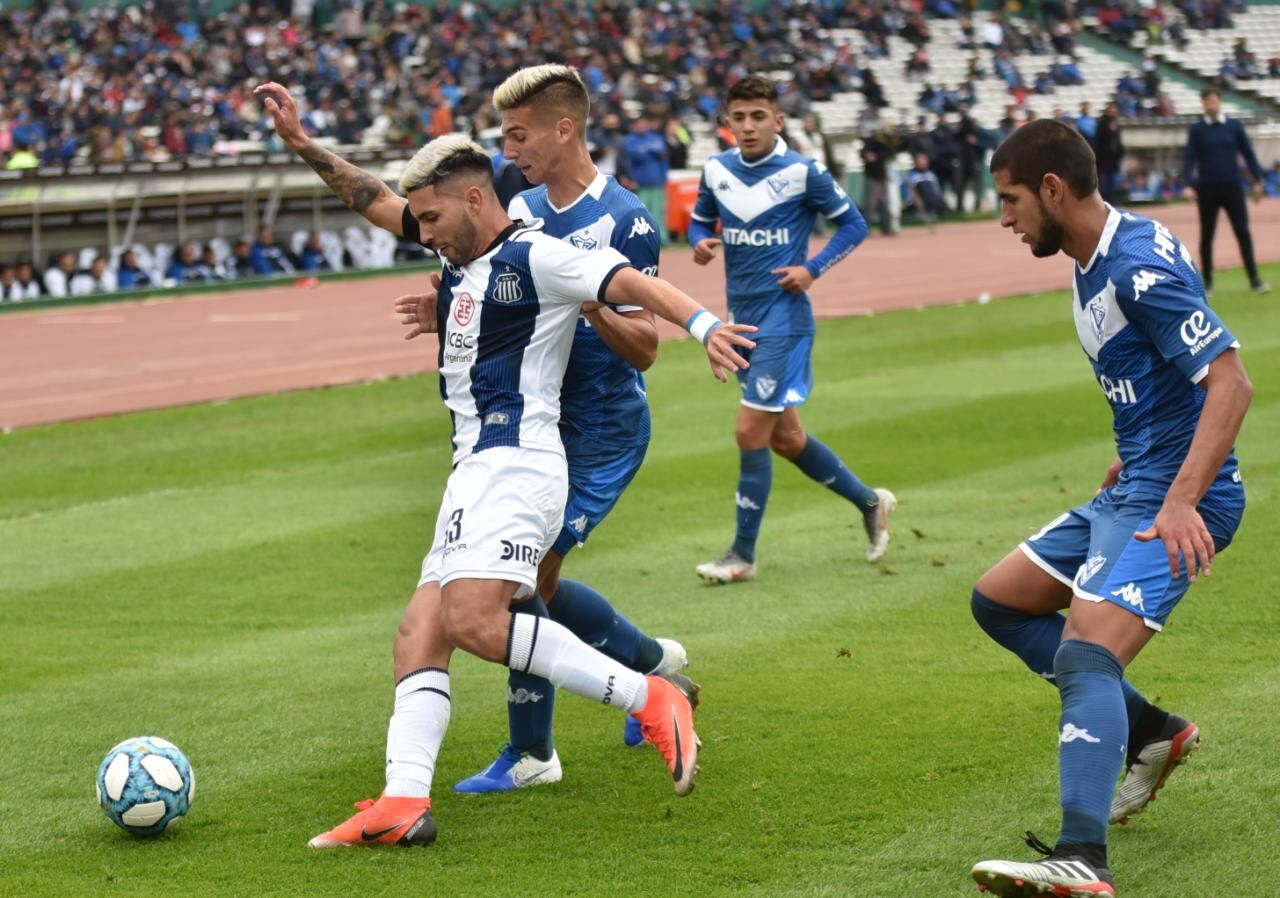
column 1213, row 144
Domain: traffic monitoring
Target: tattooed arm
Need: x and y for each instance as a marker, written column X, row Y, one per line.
column 363, row 193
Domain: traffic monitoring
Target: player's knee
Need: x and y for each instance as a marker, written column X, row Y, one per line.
column 994, row 619
column 464, row 625
column 1077, row 656
column 750, row 436
column 788, row 442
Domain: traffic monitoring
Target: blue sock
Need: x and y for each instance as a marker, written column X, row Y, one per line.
column 590, row 617
column 755, row 478
column 1092, row 740
column 1035, row 639
column 821, row 464
column 530, row 700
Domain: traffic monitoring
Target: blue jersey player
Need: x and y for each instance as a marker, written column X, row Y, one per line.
column 604, row 412
column 765, row 197
column 1170, row 370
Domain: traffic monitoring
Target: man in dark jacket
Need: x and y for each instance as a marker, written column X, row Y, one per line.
column 1109, row 150
column 1211, row 164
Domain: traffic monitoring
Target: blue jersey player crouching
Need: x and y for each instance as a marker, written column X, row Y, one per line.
column 766, row 197
column 604, row 411
column 1170, row 371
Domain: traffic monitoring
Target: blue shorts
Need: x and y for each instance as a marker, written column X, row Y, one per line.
column 1092, row 549
column 780, row 375
column 597, row 480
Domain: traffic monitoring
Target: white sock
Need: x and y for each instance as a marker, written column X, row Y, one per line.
column 416, row 731
column 542, row 647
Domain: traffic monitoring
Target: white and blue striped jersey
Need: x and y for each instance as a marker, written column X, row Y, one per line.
column 506, row 325
column 766, row 208
column 1143, row 321
column 603, row 405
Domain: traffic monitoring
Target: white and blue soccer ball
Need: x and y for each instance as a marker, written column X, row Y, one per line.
column 145, row 785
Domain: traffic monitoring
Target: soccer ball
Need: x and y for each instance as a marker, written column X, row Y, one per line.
column 145, row 785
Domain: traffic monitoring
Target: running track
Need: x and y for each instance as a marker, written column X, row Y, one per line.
column 84, row 362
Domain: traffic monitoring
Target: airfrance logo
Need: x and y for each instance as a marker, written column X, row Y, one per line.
column 1143, row 281
column 1198, row 332
column 506, row 289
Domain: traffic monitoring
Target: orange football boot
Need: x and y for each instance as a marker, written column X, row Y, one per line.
column 388, row 821
column 667, row 721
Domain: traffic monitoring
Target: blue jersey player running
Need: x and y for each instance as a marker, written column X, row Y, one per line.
column 604, row 412
column 1169, row 369
column 766, row 196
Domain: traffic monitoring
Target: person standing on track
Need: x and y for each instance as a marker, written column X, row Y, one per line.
column 1211, row 171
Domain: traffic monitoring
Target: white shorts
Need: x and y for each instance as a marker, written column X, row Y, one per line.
column 502, row 510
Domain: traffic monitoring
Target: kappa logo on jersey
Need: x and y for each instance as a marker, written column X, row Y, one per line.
column 778, row 186
column 1131, row 594
column 579, row 523
column 640, row 228
column 584, row 240
column 1198, row 332
column 723, row 187
column 793, row 396
column 1071, row 733
column 765, row 385
column 1143, row 281
column 506, row 289
column 1098, row 314
column 518, row 553
column 463, row 308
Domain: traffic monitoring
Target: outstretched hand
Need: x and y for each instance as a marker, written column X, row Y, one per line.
column 725, row 360
column 284, row 112
column 418, row 310
column 1186, row 539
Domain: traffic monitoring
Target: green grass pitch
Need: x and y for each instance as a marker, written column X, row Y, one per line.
column 230, row 577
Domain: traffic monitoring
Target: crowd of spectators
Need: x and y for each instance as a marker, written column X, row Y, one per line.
column 70, row 274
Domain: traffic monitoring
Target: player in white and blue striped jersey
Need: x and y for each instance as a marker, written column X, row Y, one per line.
column 766, row 197
column 604, row 412
column 1170, row 371
column 506, row 313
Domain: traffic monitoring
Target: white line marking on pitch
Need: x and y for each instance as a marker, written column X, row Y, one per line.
column 224, row 318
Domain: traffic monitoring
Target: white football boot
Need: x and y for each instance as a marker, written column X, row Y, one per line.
column 876, row 523
column 728, row 568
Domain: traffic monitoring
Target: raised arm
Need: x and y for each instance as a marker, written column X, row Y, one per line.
column 363, row 192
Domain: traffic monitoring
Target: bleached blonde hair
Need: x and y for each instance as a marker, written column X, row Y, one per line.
column 445, row 156
column 558, row 88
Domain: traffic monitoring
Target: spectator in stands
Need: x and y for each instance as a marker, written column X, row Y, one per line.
column 240, row 263
column 606, row 139
column 57, row 279
column 1271, row 181
column 269, row 257
column 924, row 193
column 129, row 275
column 872, row 91
column 1066, row 71
column 646, row 152
column 9, row 283
column 1108, row 149
column 678, row 141
column 28, row 285
column 186, row 267
column 878, row 149
column 97, row 279
column 1211, row 169
column 1087, row 125
column 313, row 258
column 22, row 157
column 969, row 161
column 209, row 261
column 1273, row 67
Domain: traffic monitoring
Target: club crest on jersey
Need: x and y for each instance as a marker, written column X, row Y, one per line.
column 463, row 308
column 584, row 240
column 506, row 288
column 1098, row 314
column 778, row 185
column 765, row 385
